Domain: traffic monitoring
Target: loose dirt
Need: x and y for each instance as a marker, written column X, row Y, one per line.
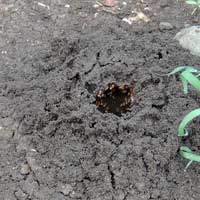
column 54, row 143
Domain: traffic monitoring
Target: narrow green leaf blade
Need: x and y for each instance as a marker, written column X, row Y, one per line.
column 189, row 154
column 181, row 68
column 177, row 69
column 187, row 119
column 193, row 80
column 191, row 2
column 185, row 84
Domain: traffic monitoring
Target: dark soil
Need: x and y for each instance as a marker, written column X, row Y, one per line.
column 54, row 143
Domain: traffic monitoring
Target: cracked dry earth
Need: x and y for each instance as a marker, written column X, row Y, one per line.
column 54, row 143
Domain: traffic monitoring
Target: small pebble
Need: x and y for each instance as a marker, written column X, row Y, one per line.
column 25, row 169
column 66, row 189
column 127, row 20
column 164, row 4
column 95, row 15
column 165, row 26
column 20, row 194
column 67, row 6
column 96, row 6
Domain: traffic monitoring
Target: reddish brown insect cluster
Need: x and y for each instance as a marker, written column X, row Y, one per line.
column 115, row 99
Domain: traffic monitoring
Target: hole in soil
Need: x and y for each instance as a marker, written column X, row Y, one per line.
column 97, row 55
column 90, row 87
column 159, row 55
column 112, row 177
column 53, row 117
column 158, row 106
column 156, row 81
column 115, row 99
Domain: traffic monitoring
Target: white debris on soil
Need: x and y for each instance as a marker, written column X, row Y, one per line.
column 165, row 26
column 33, row 150
column 96, row 6
column 3, row 52
column 43, row 5
column 147, row 8
column 189, row 38
column 67, row 6
column 140, row 17
column 127, row 20
column 95, row 15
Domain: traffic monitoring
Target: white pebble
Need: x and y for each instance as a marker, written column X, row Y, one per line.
column 43, row 5
column 67, row 6
column 127, row 21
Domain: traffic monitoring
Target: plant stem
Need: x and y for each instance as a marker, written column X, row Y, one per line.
column 193, row 11
column 189, row 163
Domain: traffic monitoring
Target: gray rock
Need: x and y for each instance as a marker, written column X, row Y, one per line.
column 189, row 38
column 31, row 157
column 20, row 194
column 119, row 195
column 165, row 26
column 30, row 185
column 66, row 189
column 25, row 169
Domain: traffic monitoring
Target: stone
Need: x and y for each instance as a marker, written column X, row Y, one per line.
column 165, row 26
column 164, row 4
column 155, row 194
column 119, row 195
column 189, row 38
column 19, row 194
column 25, row 169
column 66, row 189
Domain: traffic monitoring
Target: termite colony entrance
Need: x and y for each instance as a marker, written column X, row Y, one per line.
column 115, row 99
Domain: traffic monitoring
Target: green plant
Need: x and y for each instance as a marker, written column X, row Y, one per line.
column 187, row 75
column 194, row 2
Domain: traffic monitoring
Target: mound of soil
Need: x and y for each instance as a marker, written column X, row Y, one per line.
column 54, row 142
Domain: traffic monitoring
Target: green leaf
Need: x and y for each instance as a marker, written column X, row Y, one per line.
column 190, row 75
column 189, row 154
column 181, row 68
column 187, row 76
column 185, row 84
column 177, row 69
column 198, row 74
column 187, row 119
column 191, row 2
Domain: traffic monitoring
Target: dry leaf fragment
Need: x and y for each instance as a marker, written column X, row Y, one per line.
column 140, row 17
